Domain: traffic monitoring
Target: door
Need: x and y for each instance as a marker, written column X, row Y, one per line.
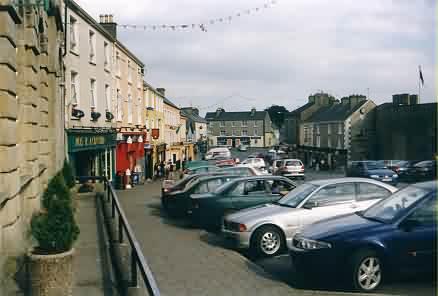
column 414, row 244
column 250, row 193
column 368, row 194
column 329, row 201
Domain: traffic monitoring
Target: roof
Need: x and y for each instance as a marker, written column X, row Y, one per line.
column 236, row 116
column 193, row 116
column 336, row 112
column 300, row 109
column 168, row 102
column 429, row 185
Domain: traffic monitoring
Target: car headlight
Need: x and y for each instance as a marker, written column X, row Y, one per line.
column 374, row 176
column 308, row 244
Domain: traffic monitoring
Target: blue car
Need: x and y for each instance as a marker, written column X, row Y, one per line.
column 372, row 169
column 396, row 235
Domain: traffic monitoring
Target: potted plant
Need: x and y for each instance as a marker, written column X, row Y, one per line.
column 55, row 230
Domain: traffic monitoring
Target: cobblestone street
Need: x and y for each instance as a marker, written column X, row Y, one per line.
column 189, row 261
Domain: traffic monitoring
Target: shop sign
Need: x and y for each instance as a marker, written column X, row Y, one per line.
column 79, row 142
column 155, row 133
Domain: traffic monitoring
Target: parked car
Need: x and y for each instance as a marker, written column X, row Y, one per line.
column 200, row 170
column 421, row 171
column 257, row 155
column 238, row 194
column 257, row 163
column 266, row 229
column 218, row 152
column 390, row 164
column 395, row 235
column 276, row 165
column 291, row 168
column 372, row 169
column 172, row 186
column 241, row 170
column 178, row 203
column 242, row 148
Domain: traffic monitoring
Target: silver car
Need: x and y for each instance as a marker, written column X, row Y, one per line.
column 266, row 229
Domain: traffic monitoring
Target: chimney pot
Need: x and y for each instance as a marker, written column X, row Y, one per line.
column 100, row 18
column 162, row 91
column 110, row 18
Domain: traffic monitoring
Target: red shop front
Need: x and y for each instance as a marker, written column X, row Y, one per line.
column 130, row 152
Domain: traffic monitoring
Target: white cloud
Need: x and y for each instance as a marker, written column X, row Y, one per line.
column 282, row 54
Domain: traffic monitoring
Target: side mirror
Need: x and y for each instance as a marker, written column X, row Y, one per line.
column 409, row 224
column 310, row 205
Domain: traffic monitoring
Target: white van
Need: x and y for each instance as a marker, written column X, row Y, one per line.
column 218, row 152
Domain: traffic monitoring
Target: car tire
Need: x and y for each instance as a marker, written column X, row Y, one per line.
column 366, row 271
column 268, row 241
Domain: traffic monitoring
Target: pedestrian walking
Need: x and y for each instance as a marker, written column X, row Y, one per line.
column 162, row 169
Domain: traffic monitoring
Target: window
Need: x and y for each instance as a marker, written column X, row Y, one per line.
column 329, row 141
column 223, row 133
column 92, row 93
column 233, row 123
column 119, row 106
column 333, row 194
column 279, row 187
column 74, row 41
column 426, row 213
column 329, row 129
column 107, row 54
column 129, row 108
column 129, row 72
column 339, row 146
column 340, row 129
column 255, row 123
column 92, row 46
column 222, row 124
column 117, row 63
column 139, row 111
column 244, row 133
column 317, row 129
column 367, row 191
column 255, row 133
column 74, row 88
column 108, row 97
column 234, row 133
column 318, row 140
column 244, row 123
column 256, row 187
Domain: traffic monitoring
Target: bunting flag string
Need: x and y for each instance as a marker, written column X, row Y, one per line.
column 201, row 26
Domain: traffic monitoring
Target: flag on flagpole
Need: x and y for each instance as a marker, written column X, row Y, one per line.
column 421, row 76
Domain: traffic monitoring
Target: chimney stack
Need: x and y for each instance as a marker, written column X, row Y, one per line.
column 162, row 91
column 107, row 22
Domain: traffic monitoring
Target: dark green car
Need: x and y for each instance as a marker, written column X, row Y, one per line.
column 179, row 202
column 209, row 209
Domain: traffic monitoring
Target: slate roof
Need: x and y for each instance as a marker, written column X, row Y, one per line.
column 236, row 116
column 337, row 112
column 300, row 109
column 193, row 117
column 168, row 102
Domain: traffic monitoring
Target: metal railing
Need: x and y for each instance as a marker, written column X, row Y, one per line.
column 138, row 261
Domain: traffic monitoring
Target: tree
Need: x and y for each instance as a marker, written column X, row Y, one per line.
column 277, row 114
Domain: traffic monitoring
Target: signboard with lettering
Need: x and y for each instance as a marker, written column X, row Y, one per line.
column 87, row 141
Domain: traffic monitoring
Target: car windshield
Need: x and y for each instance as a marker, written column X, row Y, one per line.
column 375, row 165
column 423, row 164
column 293, row 163
column 396, row 205
column 297, row 195
column 183, row 182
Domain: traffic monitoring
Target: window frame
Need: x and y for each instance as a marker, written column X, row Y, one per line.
column 333, row 203
column 92, row 46
column 93, row 94
column 74, row 88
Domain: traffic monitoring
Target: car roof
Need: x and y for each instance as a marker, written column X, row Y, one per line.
column 346, row 180
column 203, row 166
column 262, row 177
column 291, row 159
column 214, row 177
column 429, row 185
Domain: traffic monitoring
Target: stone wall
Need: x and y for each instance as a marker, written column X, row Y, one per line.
column 31, row 127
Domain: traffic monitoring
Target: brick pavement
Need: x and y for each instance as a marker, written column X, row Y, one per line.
column 188, row 261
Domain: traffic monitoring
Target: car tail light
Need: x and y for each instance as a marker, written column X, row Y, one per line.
column 242, row 227
column 166, row 190
column 396, row 169
column 302, row 168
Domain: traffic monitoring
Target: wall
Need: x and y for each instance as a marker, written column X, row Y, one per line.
column 31, row 126
column 409, row 132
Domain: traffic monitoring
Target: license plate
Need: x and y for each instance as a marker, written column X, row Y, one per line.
column 387, row 179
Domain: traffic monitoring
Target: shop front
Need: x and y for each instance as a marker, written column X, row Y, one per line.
column 92, row 152
column 131, row 153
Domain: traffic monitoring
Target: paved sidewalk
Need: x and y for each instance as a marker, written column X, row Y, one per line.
column 189, row 261
column 87, row 268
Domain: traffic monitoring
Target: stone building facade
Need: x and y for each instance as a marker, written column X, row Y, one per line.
column 252, row 128
column 31, row 121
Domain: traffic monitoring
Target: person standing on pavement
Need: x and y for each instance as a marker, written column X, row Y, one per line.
column 162, row 169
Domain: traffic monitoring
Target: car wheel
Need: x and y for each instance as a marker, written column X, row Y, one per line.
column 268, row 241
column 366, row 270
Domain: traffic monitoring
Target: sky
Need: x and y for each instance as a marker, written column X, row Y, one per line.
column 282, row 54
